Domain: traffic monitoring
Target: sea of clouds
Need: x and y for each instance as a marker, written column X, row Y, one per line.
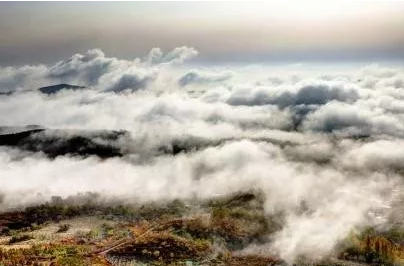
column 330, row 140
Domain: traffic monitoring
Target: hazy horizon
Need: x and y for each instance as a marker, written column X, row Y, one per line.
column 253, row 32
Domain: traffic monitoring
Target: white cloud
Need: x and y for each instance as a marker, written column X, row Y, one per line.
column 177, row 56
column 290, row 137
column 307, row 92
column 198, row 77
column 18, row 78
column 95, row 69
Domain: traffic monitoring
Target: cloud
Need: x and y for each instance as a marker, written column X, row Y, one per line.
column 316, row 92
column 200, row 78
column 83, row 68
column 176, row 56
column 328, row 192
column 377, row 155
column 131, row 82
column 95, row 69
column 319, row 140
column 18, row 78
column 356, row 119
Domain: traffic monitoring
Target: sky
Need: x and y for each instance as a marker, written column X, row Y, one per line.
column 223, row 32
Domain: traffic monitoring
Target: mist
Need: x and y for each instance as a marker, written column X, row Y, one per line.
column 326, row 140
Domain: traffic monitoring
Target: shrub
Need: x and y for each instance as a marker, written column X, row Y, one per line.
column 6, row 231
column 63, row 228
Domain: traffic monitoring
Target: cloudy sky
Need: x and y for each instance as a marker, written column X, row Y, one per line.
column 44, row 32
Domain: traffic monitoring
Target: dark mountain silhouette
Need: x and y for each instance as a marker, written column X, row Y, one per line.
column 58, row 142
column 56, row 88
column 5, row 93
column 104, row 144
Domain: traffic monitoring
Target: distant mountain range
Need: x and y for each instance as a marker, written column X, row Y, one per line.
column 49, row 89
column 101, row 143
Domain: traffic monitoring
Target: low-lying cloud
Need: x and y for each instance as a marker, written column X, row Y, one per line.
column 328, row 141
column 94, row 69
column 303, row 93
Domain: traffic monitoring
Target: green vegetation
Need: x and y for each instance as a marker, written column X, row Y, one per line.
column 375, row 247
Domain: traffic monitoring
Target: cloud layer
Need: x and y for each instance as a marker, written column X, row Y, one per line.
column 94, row 69
column 326, row 140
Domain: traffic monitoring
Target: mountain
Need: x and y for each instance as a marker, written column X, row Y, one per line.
column 56, row 88
column 6, row 93
column 52, row 142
